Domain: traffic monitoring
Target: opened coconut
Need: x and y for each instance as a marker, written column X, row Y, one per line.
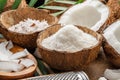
column 68, row 48
column 22, row 26
column 111, row 43
column 92, row 14
column 9, row 4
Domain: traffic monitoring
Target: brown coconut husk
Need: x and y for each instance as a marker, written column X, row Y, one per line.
column 63, row 60
column 112, row 55
column 114, row 6
column 13, row 17
column 9, row 4
column 27, row 72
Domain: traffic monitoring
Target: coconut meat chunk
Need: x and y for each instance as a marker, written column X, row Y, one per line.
column 91, row 14
column 112, row 36
column 112, row 74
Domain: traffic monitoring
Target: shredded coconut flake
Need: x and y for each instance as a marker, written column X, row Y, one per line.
column 69, row 38
column 29, row 26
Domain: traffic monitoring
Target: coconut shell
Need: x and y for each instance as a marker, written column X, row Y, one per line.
column 27, row 72
column 112, row 55
column 63, row 60
column 114, row 7
column 10, row 3
column 13, row 17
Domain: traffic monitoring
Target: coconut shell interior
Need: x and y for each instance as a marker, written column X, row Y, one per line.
column 112, row 55
column 27, row 72
column 13, row 17
column 63, row 60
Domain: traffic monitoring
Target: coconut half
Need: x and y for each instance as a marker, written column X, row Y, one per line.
column 13, row 17
column 91, row 14
column 68, row 60
column 111, row 44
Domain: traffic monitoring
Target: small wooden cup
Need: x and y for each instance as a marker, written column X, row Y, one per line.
column 64, row 60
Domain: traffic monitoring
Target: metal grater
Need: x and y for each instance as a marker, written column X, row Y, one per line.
column 64, row 76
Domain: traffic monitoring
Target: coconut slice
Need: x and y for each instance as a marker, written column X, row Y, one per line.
column 4, row 52
column 19, row 55
column 9, row 45
column 13, row 17
column 12, row 66
column 68, row 60
column 112, row 74
column 111, row 44
column 91, row 14
column 27, row 62
column 102, row 78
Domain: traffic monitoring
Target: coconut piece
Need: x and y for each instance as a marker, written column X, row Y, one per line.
column 36, row 53
column 66, row 60
column 13, row 17
column 112, row 74
column 69, row 38
column 102, row 78
column 9, row 45
column 92, row 14
column 112, row 43
column 4, row 53
column 27, row 62
column 12, row 66
column 19, row 55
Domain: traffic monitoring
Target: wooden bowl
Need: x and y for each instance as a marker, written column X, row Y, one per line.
column 13, row 17
column 27, row 72
column 63, row 60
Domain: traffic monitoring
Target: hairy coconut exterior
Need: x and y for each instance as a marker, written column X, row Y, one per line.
column 67, row 60
column 114, row 7
column 28, row 72
column 10, row 3
column 112, row 55
column 13, row 17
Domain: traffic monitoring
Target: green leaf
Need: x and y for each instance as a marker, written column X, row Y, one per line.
column 79, row 1
column 16, row 4
column 57, row 13
column 32, row 3
column 53, row 7
column 41, row 66
column 2, row 4
column 46, row 1
column 65, row 2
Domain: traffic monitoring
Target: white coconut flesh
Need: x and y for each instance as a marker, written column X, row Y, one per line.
column 112, row 35
column 92, row 14
column 69, row 38
column 102, row 78
column 16, row 61
column 112, row 74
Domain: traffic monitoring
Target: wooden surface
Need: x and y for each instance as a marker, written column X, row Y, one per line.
column 96, row 69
